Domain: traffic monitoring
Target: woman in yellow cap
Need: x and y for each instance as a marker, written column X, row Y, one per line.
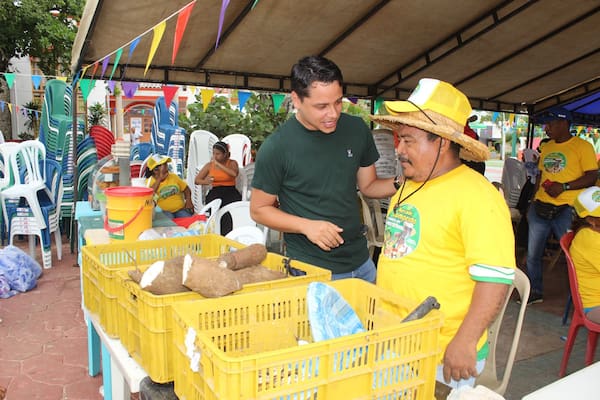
column 171, row 193
column 585, row 250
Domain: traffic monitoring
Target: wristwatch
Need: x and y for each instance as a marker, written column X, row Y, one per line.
column 566, row 186
column 397, row 182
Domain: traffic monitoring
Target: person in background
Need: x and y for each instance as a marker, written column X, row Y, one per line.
column 308, row 170
column 585, row 250
column 171, row 193
column 567, row 164
column 220, row 172
column 478, row 166
column 448, row 231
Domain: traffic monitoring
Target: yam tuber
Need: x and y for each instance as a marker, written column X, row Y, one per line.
column 245, row 257
column 258, row 273
column 165, row 277
column 209, row 279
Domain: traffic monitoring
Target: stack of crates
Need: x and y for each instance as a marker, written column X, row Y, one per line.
column 247, row 347
column 144, row 321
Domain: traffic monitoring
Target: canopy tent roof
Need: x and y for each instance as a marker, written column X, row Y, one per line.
column 516, row 56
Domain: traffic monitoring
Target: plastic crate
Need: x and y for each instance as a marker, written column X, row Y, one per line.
column 245, row 347
column 101, row 263
column 146, row 321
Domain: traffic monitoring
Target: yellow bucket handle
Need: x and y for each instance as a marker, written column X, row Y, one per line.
column 125, row 225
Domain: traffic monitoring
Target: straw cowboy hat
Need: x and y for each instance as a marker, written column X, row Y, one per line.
column 437, row 107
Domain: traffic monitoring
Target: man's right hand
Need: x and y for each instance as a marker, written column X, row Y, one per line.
column 324, row 234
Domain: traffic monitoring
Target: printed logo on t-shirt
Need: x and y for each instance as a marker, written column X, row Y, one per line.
column 555, row 162
column 349, row 153
column 168, row 191
column 402, row 231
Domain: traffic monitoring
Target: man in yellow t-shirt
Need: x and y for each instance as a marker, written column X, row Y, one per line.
column 567, row 164
column 448, row 231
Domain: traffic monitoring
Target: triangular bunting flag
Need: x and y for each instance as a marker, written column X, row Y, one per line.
column 104, row 66
column 182, row 20
column 10, row 78
column 86, row 85
column 129, row 88
column 36, row 80
column 277, row 100
column 169, row 92
column 62, row 78
column 16, row 108
column 95, row 69
column 378, row 103
column 353, row 100
column 243, row 97
column 494, row 116
column 111, row 87
column 2, row 105
column 132, row 47
column 206, row 95
column 224, row 5
column 158, row 33
column 117, row 59
column 10, row 108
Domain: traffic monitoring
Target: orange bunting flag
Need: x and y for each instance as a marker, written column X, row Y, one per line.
column 182, row 20
column 206, row 95
column 159, row 30
column 169, row 93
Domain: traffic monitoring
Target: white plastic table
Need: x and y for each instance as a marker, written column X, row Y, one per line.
column 583, row 384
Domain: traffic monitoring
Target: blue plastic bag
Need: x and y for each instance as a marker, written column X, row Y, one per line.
column 18, row 270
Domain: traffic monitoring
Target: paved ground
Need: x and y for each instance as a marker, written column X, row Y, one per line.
column 43, row 347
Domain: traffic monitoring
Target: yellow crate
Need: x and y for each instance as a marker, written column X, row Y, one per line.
column 147, row 331
column 245, row 347
column 101, row 263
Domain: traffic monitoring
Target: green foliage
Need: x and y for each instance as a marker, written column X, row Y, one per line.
column 33, row 118
column 362, row 109
column 257, row 120
column 28, row 28
column 96, row 114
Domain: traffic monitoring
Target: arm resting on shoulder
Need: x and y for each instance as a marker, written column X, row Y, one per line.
column 371, row 186
column 461, row 354
column 263, row 210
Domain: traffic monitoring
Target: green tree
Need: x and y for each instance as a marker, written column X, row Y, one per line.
column 96, row 114
column 33, row 117
column 28, row 28
column 257, row 120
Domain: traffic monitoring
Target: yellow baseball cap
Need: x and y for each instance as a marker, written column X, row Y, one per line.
column 588, row 202
column 156, row 160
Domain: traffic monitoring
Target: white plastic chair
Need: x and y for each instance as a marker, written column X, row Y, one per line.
column 489, row 376
column 240, row 147
column 22, row 218
column 246, row 186
column 373, row 219
column 199, row 153
column 240, row 214
column 247, row 235
column 26, row 157
column 241, row 184
column 514, row 176
column 212, row 210
column 387, row 166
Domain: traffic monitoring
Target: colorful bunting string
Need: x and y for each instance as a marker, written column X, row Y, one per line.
column 182, row 20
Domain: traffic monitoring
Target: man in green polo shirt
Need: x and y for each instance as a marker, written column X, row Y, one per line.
column 307, row 173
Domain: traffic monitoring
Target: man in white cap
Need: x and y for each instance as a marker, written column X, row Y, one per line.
column 448, row 231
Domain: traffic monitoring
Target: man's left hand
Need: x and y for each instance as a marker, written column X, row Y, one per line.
column 459, row 360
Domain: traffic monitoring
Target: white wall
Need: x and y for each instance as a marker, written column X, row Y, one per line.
column 20, row 93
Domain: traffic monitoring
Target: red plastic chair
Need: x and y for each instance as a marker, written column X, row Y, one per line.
column 579, row 319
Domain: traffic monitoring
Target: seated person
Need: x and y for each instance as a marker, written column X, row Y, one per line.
column 220, row 172
column 171, row 193
column 585, row 250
